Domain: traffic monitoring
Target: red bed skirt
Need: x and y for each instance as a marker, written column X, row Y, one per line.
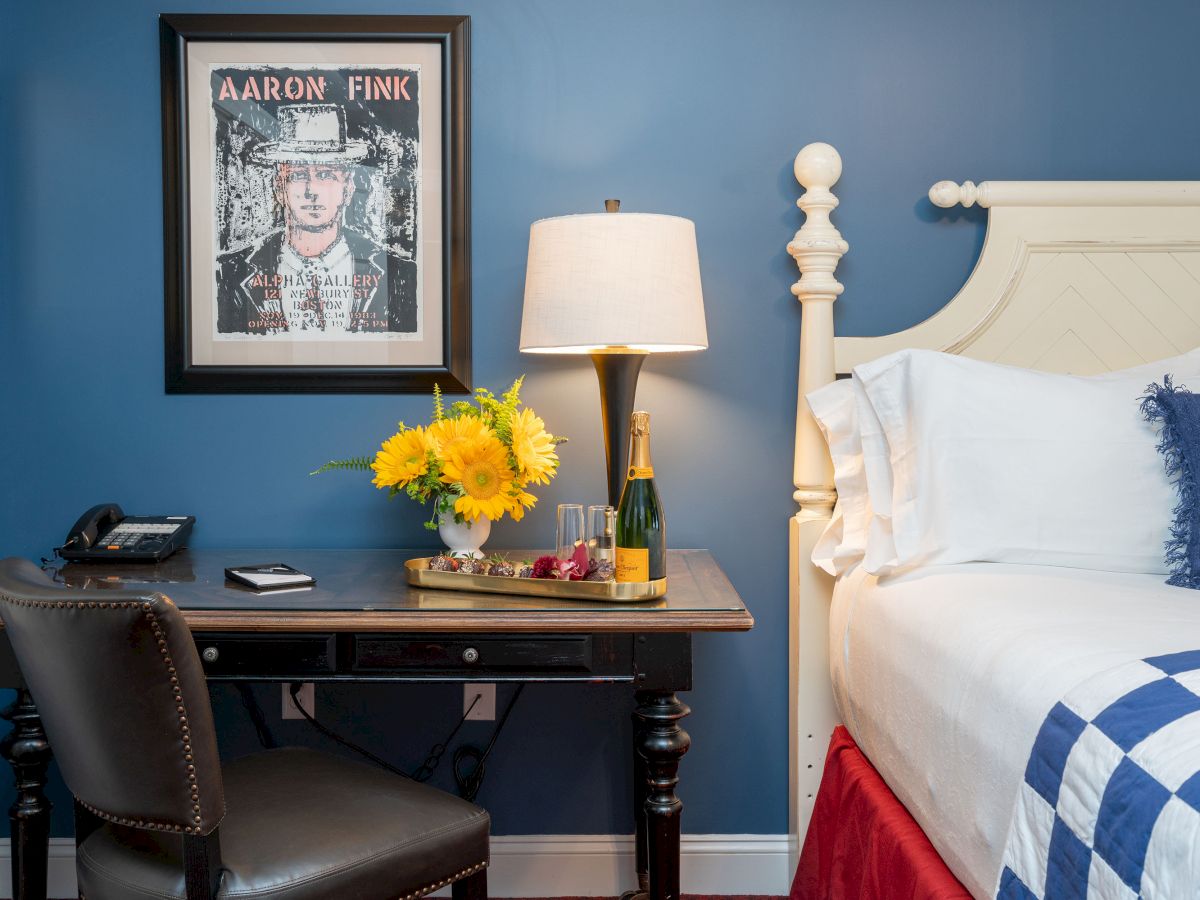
column 862, row 842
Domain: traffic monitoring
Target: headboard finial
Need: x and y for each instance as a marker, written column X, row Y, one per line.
column 816, row 247
column 818, row 166
column 947, row 194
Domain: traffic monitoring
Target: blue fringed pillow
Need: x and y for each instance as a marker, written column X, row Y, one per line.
column 1178, row 411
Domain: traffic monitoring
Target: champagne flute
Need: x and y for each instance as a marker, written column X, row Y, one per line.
column 570, row 529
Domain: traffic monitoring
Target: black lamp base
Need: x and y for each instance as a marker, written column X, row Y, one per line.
column 618, row 375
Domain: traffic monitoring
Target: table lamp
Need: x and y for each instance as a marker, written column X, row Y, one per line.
column 616, row 286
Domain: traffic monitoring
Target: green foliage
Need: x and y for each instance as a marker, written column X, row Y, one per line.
column 502, row 410
column 353, row 464
column 430, row 487
column 439, row 406
column 495, row 412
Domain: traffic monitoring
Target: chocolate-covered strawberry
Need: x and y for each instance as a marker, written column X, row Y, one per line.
column 471, row 566
column 443, row 562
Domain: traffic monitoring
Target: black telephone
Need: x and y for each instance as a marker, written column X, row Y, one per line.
column 105, row 532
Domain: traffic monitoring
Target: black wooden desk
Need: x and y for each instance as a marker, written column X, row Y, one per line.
column 362, row 622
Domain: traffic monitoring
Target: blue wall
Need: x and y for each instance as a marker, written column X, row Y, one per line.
column 694, row 108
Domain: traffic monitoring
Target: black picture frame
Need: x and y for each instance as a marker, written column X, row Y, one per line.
column 452, row 33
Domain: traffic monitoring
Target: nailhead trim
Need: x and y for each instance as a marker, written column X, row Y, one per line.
column 430, row 888
column 148, row 608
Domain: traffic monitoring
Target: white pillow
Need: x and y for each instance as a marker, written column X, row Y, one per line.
column 997, row 463
column 880, row 553
column 831, row 552
column 844, row 540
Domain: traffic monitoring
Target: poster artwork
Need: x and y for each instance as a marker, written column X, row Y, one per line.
column 316, row 188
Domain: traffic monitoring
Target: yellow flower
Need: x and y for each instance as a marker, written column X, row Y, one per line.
column 481, row 467
column 521, row 501
column 533, row 447
column 402, row 457
column 450, row 433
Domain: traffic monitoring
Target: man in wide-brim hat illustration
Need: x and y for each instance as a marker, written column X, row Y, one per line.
column 316, row 274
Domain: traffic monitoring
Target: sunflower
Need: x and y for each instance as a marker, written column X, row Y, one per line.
column 481, row 467
column 533, row 447
column 402, row 457
column 450, row 433
column 521, row 501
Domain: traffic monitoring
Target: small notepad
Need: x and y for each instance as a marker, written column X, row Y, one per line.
column 268, row 577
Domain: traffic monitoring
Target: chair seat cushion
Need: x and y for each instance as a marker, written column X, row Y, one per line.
column 299, row 825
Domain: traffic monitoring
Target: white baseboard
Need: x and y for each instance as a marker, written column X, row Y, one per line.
column 561, row 865
column 602, row 865
column 61, row 876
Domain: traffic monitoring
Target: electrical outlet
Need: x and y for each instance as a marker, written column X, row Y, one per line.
column 485, row 709
column 307, row 700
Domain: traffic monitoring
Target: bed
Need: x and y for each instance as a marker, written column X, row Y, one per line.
column 943, row 677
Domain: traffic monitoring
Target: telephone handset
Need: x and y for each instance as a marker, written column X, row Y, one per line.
column 105, row 532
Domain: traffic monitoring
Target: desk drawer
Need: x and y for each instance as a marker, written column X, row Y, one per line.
column 465, row 653
column 267, row 655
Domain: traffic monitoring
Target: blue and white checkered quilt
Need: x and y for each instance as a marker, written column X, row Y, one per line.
column 1110, row 803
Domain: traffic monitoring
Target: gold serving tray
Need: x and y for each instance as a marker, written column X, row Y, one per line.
column 420, row 575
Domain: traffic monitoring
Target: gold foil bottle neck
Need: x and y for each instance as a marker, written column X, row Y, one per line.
column 639, row 423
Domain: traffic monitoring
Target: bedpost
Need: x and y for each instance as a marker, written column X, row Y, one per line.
column 817, row 248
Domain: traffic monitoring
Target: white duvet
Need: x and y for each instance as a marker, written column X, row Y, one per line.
column 943, row 676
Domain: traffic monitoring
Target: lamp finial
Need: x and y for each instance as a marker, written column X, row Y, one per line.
column 612, row 206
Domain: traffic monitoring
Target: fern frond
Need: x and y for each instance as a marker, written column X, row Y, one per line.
column 353, row 464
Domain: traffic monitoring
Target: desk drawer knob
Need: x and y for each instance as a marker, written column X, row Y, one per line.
column 470, row 655
column 210, row 654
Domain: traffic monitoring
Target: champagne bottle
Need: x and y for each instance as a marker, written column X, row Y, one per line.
column 641, row 528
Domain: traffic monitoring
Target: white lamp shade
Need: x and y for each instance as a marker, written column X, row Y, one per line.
column 627, row 280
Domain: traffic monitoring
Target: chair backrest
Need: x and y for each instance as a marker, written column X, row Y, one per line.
column 122, row 695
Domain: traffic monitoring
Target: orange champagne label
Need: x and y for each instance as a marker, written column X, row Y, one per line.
column 641, row 472
column 633, row 564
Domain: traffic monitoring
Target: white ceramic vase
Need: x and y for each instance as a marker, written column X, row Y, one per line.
column 464, row 539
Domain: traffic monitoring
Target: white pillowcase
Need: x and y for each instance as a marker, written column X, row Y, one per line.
column 860, row 527
column 880, row 553
column 997, row 463
column 844, row 539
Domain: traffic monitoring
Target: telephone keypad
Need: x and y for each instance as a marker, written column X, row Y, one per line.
column 147, row 537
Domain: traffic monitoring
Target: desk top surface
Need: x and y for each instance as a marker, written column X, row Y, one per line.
column 365, row 590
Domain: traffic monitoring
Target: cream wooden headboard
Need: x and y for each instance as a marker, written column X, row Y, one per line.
column 1075, row 276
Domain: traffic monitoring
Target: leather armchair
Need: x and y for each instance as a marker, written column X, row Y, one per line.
column 123, row 698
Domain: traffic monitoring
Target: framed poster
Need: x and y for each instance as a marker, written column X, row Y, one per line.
column 316, row 203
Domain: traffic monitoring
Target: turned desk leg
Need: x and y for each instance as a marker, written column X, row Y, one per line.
column 661, row 744
column 639, row 810
column 28, row 753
